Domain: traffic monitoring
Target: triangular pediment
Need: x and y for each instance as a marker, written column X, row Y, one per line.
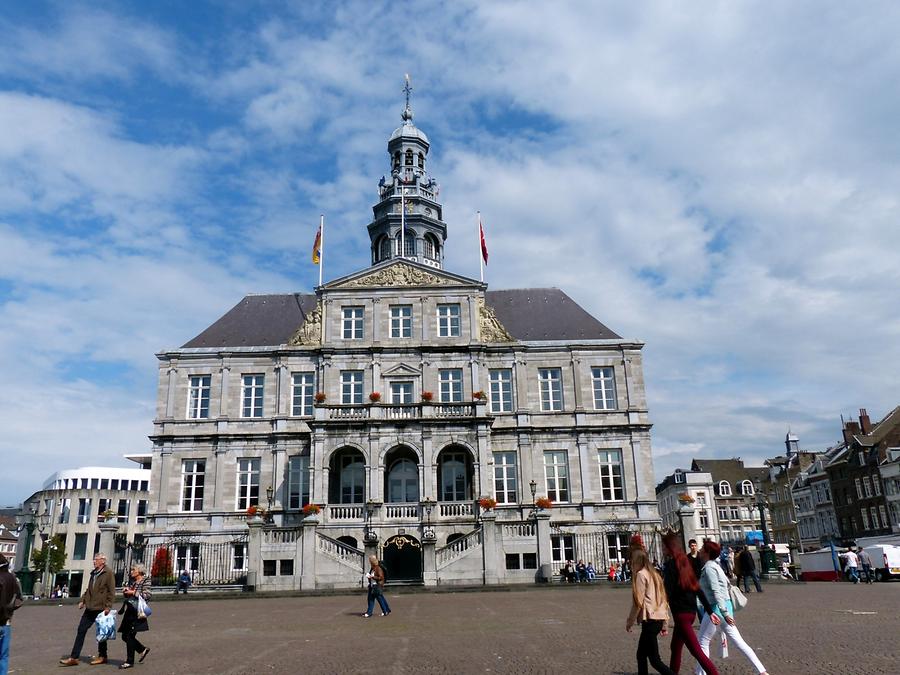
column 401, row 273
column 401, row 370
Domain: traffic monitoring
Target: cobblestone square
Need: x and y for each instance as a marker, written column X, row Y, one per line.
column 802, row 628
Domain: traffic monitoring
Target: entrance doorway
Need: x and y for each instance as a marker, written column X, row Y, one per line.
column 402, row 557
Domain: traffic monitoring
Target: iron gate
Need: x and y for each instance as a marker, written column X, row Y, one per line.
column 207, row 563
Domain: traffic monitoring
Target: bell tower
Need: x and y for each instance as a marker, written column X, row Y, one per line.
column 407, row 219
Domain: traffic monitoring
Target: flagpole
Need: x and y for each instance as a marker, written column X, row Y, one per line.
column 321, row 245
column 480, row 256
column 402, row 220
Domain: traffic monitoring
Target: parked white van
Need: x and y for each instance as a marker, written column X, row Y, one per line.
column 885, row 560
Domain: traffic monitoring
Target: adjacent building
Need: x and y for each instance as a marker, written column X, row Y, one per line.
column 9, row 539
column 779, row 486
column 402, row 410
column 734, row 496
column 73, row 503
column 686, row 501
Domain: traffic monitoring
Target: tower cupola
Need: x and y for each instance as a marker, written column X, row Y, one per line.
column 407, row 219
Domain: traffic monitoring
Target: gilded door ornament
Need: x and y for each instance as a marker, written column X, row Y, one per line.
column 401, row 541
column 399, row 275
column 310, row 331
column 489, row 326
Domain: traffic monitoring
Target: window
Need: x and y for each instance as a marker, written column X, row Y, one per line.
column 187, row 557
column 409, row 241
column 385, row 248
column 80, row 550
column 302, row 403
column 556, row 473
column 611, row 489
column 451, row 390
column 269, row 568
column 122, row 511
column 352, row 479
column 859, row 492
column 253, row 395
column 352, row 387
column 551, row 388
column 431, row 247
column 239, row 558
column 747, row 488
column 104, row 483
column 679, row 476
column 875, row 522
column 298, row 481
column 65, row 507
column 604, row 388
column 247, row 483
column 876, row 485
column 403, row 482
column 723, row 513
column 724, row 488
column 865, row 519
column 562, row 547
column 453, row 477
column 867, row 486
column 84, row 511
column 103, row 505
column 192, row 481
column 401, row 393
column 501, row 390
column 617, row 545
column 353, row 323
column 286, row 567
column 513, row 561
column 701, row 499
column 736, row 513
column 198, row 400
column 142, row 511
column 505, row 480
column 448, row 320
column 704, row 520
column 401, row 321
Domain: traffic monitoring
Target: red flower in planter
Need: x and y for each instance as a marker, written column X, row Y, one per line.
column 427, row 396
column 543, row 503
column 311, row 509
column 375, row 396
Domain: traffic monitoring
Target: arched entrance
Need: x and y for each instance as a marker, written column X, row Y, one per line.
column 402, row 555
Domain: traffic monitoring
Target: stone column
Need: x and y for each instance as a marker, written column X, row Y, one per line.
column 489, row 541
column 429, row 562
column 576, row 383
column 544, row 549
column 308, row 565
column 172, row 373
column 254, row 554
column 108, row 532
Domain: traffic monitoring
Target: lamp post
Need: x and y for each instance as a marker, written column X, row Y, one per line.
column 533, row 486
column 369, row 535
column 766, row 555
column 43, row 522
column 270, row 494
column 26, row 576
column 428, row 532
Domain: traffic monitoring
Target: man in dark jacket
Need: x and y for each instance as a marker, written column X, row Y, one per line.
column 99, row 597
column 9, row 591
column 748, row 569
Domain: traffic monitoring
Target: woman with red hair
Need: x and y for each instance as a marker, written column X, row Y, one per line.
column 684, row 592
column 714, row 585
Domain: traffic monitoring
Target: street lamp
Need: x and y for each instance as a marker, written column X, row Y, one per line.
column 428, row 505
column 270, row 494
column 766, row 555
column 43, row 522
column 533, row 486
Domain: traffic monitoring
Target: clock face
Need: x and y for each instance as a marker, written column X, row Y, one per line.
column 427, row 211
column 409, row 207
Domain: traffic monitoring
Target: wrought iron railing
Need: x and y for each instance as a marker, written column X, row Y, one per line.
column 207, row 563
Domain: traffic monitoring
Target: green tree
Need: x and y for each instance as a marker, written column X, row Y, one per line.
column 57, row 550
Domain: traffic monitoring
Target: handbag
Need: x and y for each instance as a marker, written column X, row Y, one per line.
column 106, row 627
column 143, row 608
column 738, row 599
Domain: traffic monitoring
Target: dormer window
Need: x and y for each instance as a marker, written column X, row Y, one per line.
column 747, row 488
column 679, row 477
column 724, row 488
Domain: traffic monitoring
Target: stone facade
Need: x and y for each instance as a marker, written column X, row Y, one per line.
column 697, row 517
column 397, row 400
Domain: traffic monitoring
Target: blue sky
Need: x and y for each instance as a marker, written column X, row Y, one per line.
column 717, row 179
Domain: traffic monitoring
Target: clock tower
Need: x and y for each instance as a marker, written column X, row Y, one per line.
column 407, row 219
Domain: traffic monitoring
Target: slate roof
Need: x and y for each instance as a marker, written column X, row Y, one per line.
column 732, row 470
column 527, row 313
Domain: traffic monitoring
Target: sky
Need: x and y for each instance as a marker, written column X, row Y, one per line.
column 716, row 179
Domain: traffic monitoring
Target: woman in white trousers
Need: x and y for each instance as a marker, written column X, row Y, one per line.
column 714, row 585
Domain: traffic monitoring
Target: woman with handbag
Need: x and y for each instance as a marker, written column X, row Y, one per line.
column 715, row 587
column 137, row 594
column 649, row 608
column 683, row 591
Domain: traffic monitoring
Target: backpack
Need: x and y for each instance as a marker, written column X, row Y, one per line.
column 384, row 570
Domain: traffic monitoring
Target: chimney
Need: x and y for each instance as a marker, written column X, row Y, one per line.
column 865, row 422
column 851, row 429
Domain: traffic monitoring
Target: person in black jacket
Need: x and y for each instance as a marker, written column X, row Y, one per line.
column 684, row 592
column 10, row 591
column 748, row 569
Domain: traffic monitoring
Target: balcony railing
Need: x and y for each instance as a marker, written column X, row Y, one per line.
column 392, row 411
column 401, row 511
column 455, row 509
column 337, row 512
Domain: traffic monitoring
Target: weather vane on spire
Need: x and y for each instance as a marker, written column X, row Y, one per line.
column 407, row 111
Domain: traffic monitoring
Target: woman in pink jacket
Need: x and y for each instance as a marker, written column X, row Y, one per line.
column 650, row 608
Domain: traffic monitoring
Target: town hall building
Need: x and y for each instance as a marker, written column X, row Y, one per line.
column 463, row 435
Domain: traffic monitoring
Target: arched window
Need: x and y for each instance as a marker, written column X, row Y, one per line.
column 409, row 158
column 453, row 537
column 347, row 478
column 453, row 477
column 724, row 488
column 383, row 248
column 747, row 488
column 409, row 246
column 421, row 161
column 403, row 481
column 396, row 163
column 350, row 541
column 431, row 247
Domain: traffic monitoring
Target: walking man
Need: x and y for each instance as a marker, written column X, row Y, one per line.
column 866, row 561
column 748, row 569
column 852, row 566
column 99, row 597
column 10, row 591
column 694, row 557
